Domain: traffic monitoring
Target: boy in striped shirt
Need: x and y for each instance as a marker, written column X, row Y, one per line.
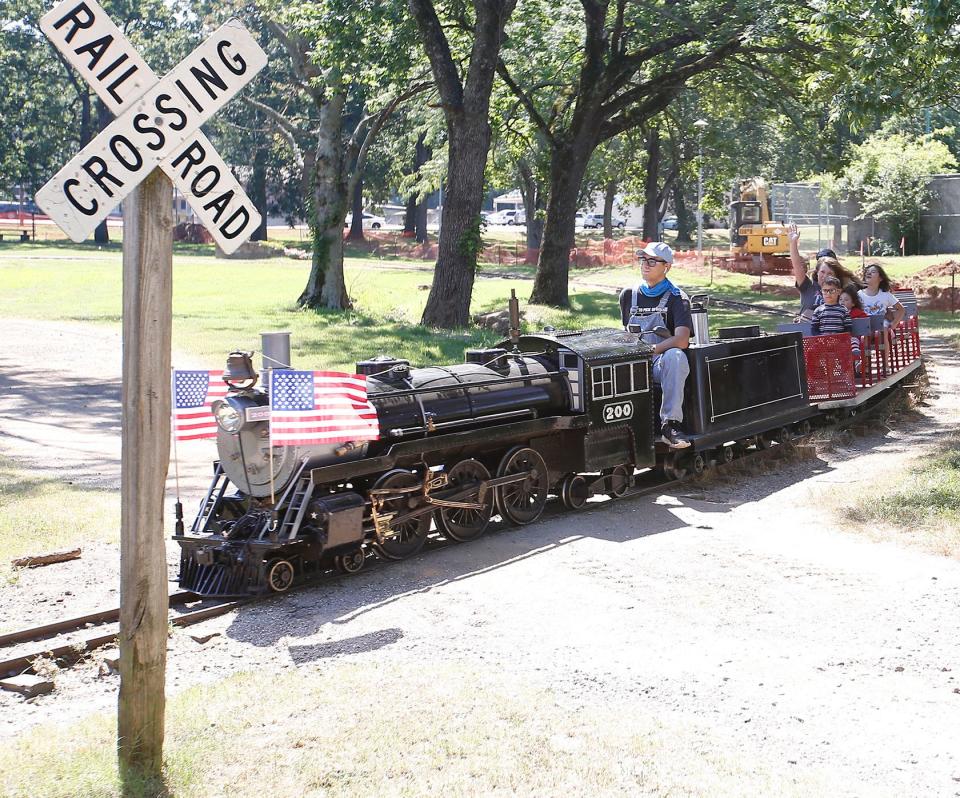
column 831, row 316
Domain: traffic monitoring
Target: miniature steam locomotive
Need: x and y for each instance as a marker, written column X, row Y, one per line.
column 565, row 413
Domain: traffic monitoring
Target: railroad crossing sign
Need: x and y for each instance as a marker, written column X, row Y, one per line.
column 157, row 123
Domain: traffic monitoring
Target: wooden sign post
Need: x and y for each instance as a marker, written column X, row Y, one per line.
column 155, row 137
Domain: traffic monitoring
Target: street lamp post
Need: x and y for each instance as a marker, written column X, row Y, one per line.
column 700, row 124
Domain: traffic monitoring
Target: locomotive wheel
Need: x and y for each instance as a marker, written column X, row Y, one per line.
column 462, row 524
column 574, row 492
column 523, row 502
column 763, row 441
column 407, row 538
column 619, row 477
column 726, row 454
column 675, row 466
column 280, row 575
column 350, row 563
column 784, row 436
column 803, row 428
column 698, row 464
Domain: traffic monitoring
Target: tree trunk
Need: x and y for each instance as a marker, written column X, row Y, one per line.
column 683, row 215
column 609, row 194
column 421, row 221
column 411, row 228
column 466, row 109
column 356, row 223
column 651, row 194
column 410, row 217
column 102, row 235
column 257, row 187
column 567, row 167
column 532, row 202
column 421, row 156
column 328, row 208
column 448, row 305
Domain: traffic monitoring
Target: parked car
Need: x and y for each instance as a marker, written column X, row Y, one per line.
column 595, row 221
column 507, row 216
column 669, row 223
column 370, row 221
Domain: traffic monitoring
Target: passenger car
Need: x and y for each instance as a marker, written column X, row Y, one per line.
column 595, row 221
column 370, row 221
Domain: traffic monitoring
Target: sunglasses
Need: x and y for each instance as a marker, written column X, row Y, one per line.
column 651, row 260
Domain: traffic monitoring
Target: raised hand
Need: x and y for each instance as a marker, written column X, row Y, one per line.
column 793, row 233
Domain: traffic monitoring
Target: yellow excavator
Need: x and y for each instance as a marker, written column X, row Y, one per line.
column 754, row 236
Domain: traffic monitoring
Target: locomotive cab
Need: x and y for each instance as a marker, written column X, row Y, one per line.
column 607, row 373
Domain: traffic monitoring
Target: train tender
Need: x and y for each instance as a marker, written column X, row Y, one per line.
column 565, row 413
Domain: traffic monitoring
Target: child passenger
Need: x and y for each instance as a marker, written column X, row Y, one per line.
column 831, row 317
column 877, row 298
column 850, row 299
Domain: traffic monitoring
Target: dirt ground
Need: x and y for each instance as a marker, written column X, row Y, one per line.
column 739, row 608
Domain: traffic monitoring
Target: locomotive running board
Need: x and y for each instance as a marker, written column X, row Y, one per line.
column 421, row 446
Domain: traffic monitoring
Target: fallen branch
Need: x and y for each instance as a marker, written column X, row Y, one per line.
column 37, row 560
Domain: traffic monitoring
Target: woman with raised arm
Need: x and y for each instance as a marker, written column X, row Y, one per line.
column 827, row 266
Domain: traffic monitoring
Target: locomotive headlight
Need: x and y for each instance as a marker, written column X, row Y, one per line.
column 229, row 418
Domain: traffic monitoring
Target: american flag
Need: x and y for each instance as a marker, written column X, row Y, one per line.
column 193, row 393
column 308, row 407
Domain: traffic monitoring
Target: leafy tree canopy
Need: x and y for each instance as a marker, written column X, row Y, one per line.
column 889, row 175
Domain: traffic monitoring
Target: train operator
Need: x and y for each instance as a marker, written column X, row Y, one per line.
column 660, row 311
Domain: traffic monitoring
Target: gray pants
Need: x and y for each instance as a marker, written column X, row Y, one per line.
column 670, row 370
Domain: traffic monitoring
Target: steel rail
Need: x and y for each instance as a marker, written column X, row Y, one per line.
column 72, row 624
column 70, row 653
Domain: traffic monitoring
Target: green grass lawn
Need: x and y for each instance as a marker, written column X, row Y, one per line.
column 222, row 305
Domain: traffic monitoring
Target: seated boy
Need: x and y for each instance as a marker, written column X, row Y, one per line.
column 660, row 311
column 831, row 316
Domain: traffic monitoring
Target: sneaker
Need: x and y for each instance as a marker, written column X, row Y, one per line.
column 673, row 436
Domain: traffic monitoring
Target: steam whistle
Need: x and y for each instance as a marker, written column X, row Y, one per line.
column 514, row 320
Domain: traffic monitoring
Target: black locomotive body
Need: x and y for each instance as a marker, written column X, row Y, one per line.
column 566, row 413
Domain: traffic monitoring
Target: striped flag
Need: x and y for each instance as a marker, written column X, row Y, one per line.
column 309, row 407
column 193, row 393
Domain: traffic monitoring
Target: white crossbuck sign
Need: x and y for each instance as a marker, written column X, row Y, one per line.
column 157, row 124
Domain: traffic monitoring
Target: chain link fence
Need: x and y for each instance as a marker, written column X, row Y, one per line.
column 823, row 221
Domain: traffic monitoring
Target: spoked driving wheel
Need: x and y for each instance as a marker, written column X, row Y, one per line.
column 466, row 523
column 522, row 502
column 406, row 538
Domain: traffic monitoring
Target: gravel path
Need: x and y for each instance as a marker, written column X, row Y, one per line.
column 739, row 609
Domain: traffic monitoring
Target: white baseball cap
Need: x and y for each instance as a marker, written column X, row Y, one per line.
column 657, row 249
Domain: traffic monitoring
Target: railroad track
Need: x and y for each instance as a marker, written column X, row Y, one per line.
column 69, row 652
column 50, row 643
